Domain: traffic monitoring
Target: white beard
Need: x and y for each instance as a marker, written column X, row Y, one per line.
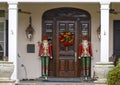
column 85, row 45
column 45, row 45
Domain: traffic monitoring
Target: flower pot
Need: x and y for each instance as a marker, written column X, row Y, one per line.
column 6, row 70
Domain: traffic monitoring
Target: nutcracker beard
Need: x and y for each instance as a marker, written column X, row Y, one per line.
column 45, row 45
column 85, row 44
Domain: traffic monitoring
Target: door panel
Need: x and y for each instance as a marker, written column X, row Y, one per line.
column 66, row 68
column 66, row 58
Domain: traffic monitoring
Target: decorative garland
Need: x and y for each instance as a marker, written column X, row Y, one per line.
column 66, row 38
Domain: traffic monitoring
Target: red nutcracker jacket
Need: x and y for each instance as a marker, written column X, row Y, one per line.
column 81, row 50
column 48, row 50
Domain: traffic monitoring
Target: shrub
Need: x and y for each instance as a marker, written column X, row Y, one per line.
column 113, row 77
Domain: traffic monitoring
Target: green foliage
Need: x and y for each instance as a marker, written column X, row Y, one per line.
column 113, row 77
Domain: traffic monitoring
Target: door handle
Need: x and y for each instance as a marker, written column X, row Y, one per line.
column 75, row 56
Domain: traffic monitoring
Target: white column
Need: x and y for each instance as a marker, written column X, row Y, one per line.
column 104, row 55
column 13, row 26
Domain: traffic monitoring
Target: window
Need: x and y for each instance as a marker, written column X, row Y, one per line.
column 2, row 39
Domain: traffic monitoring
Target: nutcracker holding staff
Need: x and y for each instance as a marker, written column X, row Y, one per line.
column 45, row 52
column 85, row 54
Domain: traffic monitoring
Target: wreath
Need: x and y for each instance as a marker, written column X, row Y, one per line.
column 66, row 38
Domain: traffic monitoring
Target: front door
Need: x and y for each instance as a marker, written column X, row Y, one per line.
column 66, row 54
column 65, row 62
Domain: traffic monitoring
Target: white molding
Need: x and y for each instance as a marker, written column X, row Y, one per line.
column 82, row 1
column 49, row 0
column 101, row 1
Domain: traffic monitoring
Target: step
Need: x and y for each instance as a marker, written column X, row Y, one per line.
column 57, row 81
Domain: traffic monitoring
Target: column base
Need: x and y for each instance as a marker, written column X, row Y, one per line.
column 101, row 71
column 101, row 82
column 7, row 82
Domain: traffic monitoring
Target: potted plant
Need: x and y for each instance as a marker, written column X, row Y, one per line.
column 113, row 77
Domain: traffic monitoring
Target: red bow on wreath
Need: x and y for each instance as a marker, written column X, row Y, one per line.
column 66, row 38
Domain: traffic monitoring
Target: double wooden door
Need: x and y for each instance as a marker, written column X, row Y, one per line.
column 66, row 57
column 65, row 62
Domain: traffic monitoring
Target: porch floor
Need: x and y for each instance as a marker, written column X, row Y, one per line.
column 57, row 81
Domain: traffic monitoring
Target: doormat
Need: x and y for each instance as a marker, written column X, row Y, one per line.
column 66, row 80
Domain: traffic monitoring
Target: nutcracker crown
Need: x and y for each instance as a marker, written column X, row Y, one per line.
column 85, row 38
column 45, row 37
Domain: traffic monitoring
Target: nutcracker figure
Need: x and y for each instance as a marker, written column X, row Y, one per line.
column 45, row 52
column 85, row 54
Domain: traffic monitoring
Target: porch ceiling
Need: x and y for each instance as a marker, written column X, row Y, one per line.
column 82, row 1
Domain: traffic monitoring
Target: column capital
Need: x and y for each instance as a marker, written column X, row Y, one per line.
column 13, row 4
column 105, row 6
column 105, row 2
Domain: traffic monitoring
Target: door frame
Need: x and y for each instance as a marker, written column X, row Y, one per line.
column 51, row 16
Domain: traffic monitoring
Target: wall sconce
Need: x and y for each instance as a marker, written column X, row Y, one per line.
column 98, row 32
column 30, row 30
